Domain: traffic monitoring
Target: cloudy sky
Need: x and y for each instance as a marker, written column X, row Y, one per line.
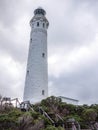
column 72, row 47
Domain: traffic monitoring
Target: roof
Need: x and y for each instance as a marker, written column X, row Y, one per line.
column 69, row 98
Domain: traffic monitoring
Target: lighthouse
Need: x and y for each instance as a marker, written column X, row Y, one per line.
column 36, row 81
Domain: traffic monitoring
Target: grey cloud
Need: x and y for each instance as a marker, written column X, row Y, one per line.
column 12, row 11
column 13, row 48
column 81, row 84
column 75, row 26
column 72, row 23
column 10, row 42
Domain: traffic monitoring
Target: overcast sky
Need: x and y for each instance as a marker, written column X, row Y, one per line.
column 72, row 47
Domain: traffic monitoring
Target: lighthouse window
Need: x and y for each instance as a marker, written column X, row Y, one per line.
column 47, row 24
column 43, row 92
column 43, row 25
column 43, row 55
column 27, row 71
column 37, row 24
column 31, row 39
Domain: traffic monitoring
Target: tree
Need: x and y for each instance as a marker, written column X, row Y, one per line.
column 89, row 114
column 52, row 103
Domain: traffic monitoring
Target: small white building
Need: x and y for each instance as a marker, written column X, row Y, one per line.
column 69, row 100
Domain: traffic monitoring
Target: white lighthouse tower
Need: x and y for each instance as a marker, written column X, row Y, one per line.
column 36, row 83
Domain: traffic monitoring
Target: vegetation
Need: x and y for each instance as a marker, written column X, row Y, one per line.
column 13, row 118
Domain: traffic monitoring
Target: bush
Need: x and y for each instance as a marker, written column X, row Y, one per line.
column 60, row 128
column 46, row 121
column 89, row 114
column 51, row 128
column 35, row 115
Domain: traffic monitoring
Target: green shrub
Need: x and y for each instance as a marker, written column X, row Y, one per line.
column 35, row 115
column 51, row 128
column 60, row 128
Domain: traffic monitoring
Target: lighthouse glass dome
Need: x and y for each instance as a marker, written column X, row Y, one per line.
column 39, row 11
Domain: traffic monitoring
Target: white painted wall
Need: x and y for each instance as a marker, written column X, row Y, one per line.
column 37, row 73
